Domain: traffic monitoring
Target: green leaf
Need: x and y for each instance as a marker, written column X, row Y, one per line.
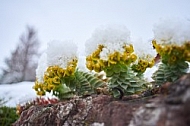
column 109, row 73
column 119, row 82
column 131, row 90
column 124, row 86
column 140, row 89
column 116, row 69
column 135, row 85
column 116, row 93
column 98, row 84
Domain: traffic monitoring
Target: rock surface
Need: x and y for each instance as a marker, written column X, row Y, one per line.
column 170, row 109
column 98, row 110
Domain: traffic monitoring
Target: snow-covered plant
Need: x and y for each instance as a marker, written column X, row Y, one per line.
column 57, row 72
column 111, row 50
column 55, row 67
column 172, row 43
column 145, row 56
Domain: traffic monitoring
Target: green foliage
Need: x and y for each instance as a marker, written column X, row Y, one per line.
column 63, row 92
column 87, row 83
column 169, row 73
column 7, row 114
column 125, row 79
column 80, row 84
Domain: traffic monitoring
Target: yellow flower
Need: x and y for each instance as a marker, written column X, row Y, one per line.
column 55, row 68
column 50, row 87
column 97, row 67
column 101, row 47
column 110, row 62
column 45, row 77
column 40, row 93
column 49, row 81
column 88, row 58
column 44, row 87
column 143, row 69
column 173, row 58
column 101, row 63
column 35, row 87
column 172, row 53
column 60, row 72
column 124, row 56
column 187, row 55
column 56, row 80
column 111, row 57
column 129, row 49
column 151, row 64
column 144, row 63
column 117, row 56
column 133, row 57
column 89, row 65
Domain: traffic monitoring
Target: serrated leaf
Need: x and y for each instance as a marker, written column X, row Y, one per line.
column 124, row 86
column 126, row 83
column 98, row 84
column 135, row 85
column 139, row 89
column 130, row 90
column 116, row 94
column 118, row 82
column 113, row 80
column 109, row 73
column 116, row 69
column 111, row 86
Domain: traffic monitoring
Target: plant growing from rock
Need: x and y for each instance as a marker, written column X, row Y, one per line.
column 172, row 43
column 57, row 73
column 111, row 50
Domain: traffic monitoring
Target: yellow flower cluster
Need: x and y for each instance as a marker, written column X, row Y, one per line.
column 173, row 53
column 94, row 62
column 142, row 65
column 39, row 88
column 53, row 76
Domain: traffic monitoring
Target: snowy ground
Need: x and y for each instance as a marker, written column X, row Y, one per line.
column 18, row 93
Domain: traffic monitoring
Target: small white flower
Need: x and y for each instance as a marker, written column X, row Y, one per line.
column 172, row 31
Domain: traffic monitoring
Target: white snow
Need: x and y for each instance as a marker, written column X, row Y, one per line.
column 111, row 36
column 41, row 69
column 172, row 31
column 18, row 93
column 148, row 73
column 59, row 53
column 144, row 49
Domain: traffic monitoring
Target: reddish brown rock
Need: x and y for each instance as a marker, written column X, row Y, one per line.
column 171, row 110
column 81, row 111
